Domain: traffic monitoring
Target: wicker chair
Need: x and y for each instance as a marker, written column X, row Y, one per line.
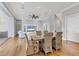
column 47, row 42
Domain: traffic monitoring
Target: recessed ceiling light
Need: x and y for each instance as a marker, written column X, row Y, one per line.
column 49, row 10
column 38, row 7
column 22, row 7
column 22, row 2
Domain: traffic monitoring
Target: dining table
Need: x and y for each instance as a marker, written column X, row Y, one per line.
column 33, row 36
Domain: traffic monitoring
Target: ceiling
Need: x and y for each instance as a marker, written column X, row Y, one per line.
column 24, row 9
column 73, row 10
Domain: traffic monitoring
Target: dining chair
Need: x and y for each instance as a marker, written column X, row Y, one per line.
column 57, row 40
column 47, row 42
column 39, row 33
column 33, row 46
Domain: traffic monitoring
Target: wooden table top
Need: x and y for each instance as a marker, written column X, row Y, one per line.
column 33, row 36
column 37, row 37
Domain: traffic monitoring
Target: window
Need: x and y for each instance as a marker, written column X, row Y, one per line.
column 30, row 28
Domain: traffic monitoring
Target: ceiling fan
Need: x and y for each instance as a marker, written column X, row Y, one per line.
column 35, row 16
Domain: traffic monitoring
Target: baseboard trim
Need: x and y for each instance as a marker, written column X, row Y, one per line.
column 71, row 41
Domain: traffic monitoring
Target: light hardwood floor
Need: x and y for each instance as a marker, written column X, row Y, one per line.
column 13, row 47
column 68, row 49
column 17, row 47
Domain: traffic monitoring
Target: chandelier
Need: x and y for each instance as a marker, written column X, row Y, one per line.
column 35, row 16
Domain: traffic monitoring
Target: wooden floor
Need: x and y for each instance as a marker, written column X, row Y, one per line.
column 15, row 47
column 68, row 49
column 3, row 40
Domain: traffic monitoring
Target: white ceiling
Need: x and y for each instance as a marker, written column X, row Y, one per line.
column 40, row 8
column 72, row 10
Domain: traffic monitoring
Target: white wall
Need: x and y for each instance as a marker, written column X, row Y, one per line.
column 6, row 21
column 11, row 28
column 3, row 21
column 49, row 20
column 73, row 27
column 59, row 22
